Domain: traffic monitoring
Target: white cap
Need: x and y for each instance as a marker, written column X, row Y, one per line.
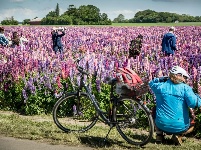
column 54, row 28
column 172, row 28
column 179, row 70
column 61, row 28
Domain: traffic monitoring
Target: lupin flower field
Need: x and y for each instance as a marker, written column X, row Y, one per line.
column 33, row 77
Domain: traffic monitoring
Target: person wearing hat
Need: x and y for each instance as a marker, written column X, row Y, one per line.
column 57, row 33
column 3, row 40
column 174, row 98
column 169, row 42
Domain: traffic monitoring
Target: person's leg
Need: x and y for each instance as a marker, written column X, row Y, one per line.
column 189, row 130
column 61, row 50
column 178, row 139
column 55, row 48
column 159, row 133
column 167, row 54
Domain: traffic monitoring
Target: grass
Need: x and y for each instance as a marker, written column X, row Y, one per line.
column 158, row 24
column 130, row 24
column 42, row 128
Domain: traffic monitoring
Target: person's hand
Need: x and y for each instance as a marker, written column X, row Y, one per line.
column 160, row 73
column 193, row 116
column 163, row 79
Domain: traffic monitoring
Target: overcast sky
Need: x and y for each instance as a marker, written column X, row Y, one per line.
column 29, row 9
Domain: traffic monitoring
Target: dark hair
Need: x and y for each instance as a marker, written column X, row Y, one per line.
column 1, row 28
column 14, row 33
column 140, row 36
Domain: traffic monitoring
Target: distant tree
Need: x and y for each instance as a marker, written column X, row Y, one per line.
column 89, row 14
column 51, row 14
column 9, row 21
column 104, row 19
column 26, row 21
column 64, row 20
column 150, row 16
column 57, row 10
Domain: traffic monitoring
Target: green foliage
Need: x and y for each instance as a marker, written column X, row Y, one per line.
column 9, row 22
column 119, row 19
column 42, row 100
column 150, row 16
column 26, row 21
column 11, row 96
column 84, row 15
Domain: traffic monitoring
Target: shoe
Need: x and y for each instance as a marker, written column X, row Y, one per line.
column 183, row 138
column 177, row 140
column 159, row 138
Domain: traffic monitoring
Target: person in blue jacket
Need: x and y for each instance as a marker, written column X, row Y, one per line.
column 3, row 40
column 57, row 33
column 174, row 98
column 169, row 42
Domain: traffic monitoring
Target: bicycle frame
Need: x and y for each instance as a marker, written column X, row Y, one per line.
column 113, row 100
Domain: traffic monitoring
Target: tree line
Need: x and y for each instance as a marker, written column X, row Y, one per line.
column 84, row 15
column 90, row 15
column 150, row 16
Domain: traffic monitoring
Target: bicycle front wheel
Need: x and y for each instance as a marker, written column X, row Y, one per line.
column 135, row 123
column 74, row 113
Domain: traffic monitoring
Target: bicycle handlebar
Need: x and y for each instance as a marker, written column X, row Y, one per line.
column 81, row 70
column 111, row 80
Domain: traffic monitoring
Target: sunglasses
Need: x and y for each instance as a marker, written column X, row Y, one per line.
column 185, row 77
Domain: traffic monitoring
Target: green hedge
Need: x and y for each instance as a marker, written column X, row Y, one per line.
column 43, row 99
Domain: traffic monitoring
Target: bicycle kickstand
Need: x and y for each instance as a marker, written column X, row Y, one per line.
column 111, row 126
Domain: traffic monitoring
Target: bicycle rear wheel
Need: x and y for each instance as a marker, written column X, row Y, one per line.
column 135, row 123
column 74, row 113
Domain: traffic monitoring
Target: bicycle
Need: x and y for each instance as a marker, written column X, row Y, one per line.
column 130, row 116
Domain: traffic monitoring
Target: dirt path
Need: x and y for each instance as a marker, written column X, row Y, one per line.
column 9, row 143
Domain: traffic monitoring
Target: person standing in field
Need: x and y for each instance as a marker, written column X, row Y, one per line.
column 135, row 46
column 23, row 42
column 3, row 40
column 57, row 33
column 169, row 42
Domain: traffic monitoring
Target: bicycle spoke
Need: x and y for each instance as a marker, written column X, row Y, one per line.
column 135, row 124
column 73, row 113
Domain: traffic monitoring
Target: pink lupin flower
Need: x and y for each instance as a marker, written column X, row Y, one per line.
column 59, row 82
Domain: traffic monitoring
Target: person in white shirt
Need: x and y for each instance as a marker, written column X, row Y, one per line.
column 22, row 41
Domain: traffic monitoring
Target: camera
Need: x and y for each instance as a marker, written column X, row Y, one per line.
column 59, row 29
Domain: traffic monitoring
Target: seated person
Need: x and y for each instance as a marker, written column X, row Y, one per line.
column 173, row 100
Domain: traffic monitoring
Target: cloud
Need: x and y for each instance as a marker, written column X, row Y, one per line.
column 115, row 13
column 22, row 13
column 16, row 1
column 170, row 1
